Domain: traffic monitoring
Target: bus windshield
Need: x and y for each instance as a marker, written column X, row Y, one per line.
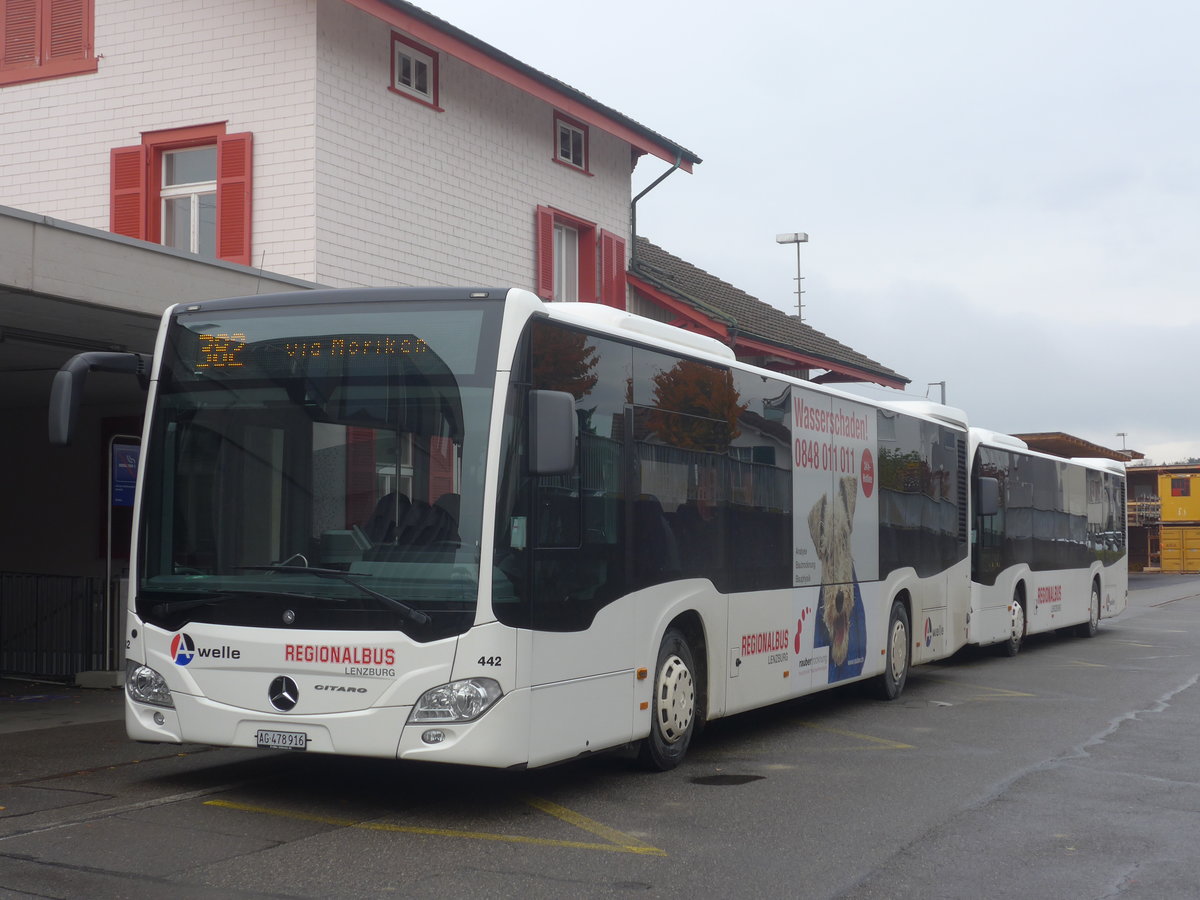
column 319, row 467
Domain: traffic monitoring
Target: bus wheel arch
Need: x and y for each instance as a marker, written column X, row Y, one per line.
column 677, row 703
column 1089, row 628
column 897, row 650
column 1019, row 622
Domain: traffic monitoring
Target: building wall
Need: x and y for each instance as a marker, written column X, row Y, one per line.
column 55, row 512
column 168, row 64
column 353, row 184
column 410, row 195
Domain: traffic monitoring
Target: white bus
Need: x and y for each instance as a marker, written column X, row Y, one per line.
column 1049, row 552
column 468, row 526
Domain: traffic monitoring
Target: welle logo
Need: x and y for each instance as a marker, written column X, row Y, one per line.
column 184, row 650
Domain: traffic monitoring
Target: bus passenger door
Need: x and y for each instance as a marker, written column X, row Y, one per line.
column 575, row 528
column 582, row 641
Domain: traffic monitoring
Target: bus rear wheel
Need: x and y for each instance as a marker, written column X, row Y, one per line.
column 1089, row 628
column 895, row 670
column 1016, row 634
column 673, row 707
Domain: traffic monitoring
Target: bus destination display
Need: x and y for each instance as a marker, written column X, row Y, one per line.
column 227, row 350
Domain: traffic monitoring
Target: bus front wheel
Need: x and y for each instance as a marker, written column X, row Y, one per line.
column 673, row 707
column 895, row 670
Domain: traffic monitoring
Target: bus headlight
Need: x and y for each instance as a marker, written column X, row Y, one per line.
column 458, row 701
column 145, row 685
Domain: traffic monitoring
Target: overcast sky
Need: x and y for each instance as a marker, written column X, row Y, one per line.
column 999, row 196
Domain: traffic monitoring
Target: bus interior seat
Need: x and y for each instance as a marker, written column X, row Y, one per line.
column 657, row 558
column 391, row 509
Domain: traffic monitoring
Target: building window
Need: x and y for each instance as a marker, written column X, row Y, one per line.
column 571, row 142
column 578, row 261
column 42, row 39
column 566, row 262
column 188, row 188
column 566, row 256
column 1181, row 487
column 189, row 200
column 414, row 71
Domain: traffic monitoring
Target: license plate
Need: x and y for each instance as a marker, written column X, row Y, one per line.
column 282, row 740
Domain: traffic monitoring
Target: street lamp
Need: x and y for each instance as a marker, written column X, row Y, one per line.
column 797, row 238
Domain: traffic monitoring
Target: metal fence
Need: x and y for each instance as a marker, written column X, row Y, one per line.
column 54, row 626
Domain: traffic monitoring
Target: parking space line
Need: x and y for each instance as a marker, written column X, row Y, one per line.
column 988, row 692
column 618, row 838
column 883, row 743
column 616, row 841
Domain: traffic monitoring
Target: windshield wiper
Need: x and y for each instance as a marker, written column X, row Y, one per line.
column 413, row 615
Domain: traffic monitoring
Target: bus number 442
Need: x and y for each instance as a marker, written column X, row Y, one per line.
column 489, row 660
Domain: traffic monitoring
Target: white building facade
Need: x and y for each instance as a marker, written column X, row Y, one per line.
column 344, row 143
column 160, row 151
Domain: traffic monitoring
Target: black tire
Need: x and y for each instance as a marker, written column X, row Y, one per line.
column 1089, row 628
column 890, row 684
column 1012, row 646
column 674, row 706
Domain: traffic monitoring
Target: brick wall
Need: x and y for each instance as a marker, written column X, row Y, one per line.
column 410, row 195
column 353, row 184
column 168, row 64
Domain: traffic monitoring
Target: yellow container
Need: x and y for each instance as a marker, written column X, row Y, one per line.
column 1179, row 548
column 1191, row 549
column 1180, row 497
column 1171, row 549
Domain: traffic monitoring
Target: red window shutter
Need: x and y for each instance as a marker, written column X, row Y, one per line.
column 612, row 270
column 360, row 475
column 20, row 46
column 127, row 192
column 441, row 466
column 545, row 253
column 68, row 29
column 589, row 284
column 234, row 167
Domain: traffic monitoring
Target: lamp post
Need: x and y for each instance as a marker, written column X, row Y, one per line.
column 797, row 238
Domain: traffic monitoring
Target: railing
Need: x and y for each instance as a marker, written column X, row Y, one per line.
column 1143, row 512
column 54, row 626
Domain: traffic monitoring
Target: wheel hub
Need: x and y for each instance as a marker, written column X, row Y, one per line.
column 899, row 651
column 676, row 699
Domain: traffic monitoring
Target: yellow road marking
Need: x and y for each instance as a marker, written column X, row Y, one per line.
column 618, row 842
column 619, row 839
column 884, row 743
column 989, row 692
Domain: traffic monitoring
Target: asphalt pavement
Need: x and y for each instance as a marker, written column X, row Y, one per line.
column 1068, row 772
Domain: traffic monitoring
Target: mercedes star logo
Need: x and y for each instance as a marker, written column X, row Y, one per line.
column 283, row 693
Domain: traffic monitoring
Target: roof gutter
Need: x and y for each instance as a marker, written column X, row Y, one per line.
column 633, row 254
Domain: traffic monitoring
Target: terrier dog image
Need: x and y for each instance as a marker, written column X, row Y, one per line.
column 841, row 622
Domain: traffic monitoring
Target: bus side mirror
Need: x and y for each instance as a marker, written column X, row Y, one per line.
column 553, row 431
column 989, row 496
column 67, row 389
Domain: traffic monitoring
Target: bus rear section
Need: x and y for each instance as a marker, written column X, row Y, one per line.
column 1049, row 542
